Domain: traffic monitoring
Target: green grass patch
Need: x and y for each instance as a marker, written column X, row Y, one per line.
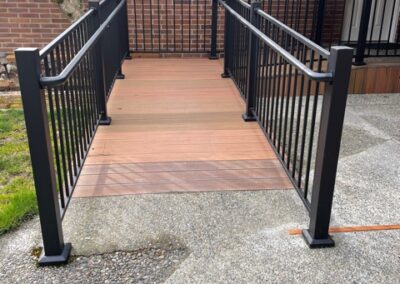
column 17, row 195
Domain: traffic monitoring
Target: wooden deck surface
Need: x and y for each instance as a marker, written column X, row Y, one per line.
column 177, row 127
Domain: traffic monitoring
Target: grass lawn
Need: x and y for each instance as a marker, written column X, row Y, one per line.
column 17, row 195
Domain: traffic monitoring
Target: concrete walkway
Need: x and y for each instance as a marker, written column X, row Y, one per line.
column 236, row 237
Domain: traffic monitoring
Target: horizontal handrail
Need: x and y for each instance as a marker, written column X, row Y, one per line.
column 73, row 64
column 316, row 76
column 44, row 51
column 245, row 4
column 312, row 45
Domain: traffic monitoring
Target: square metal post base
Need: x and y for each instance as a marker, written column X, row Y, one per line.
column 106, row 121
column 120, row 76
column 359, row 63
column 128, row 57
column 56, row 259
column 213, row 57
column 225, row 75
column 317, row 243
column 248, row 118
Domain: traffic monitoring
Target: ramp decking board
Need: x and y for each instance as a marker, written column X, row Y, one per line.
column 177, row 127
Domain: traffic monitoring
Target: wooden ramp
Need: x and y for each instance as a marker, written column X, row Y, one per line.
column 177, row 127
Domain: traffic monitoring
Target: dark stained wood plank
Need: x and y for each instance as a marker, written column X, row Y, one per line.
column 180, row 166
column 192, row 186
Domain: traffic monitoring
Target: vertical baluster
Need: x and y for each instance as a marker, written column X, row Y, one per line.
column 227, row 44
column 381, row 28
column 159, row 26
column 83, row 92
column 251, row 71
column 312, row 129
column 214, row 29
column 75, row 99
column 204, row 26
column 298, row 120
column 85, row 73
column 78, row 86
column 182, row 50
column 372, row 24
column 151, row 25
column 283, row 100
column 264, row 76
column 290, row 101
column 197, row 26
column 293, row 105
column 53, row 124
column 135, row 28
column 190, row 26
column 99, row 68
column 167, row 24
column 320, row 21
column 174, row 16
column 390, row 28
column 143, row 29
column 65, row 123
column 71, row 118
column 59, row 134
column 258, row 80
column 266, row 91
column 305, row 123
column 363, row 32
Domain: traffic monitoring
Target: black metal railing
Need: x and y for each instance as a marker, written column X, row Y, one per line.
column 166, row 26
column 64, row 90
column 376, row 33
column 169, row 26
column 296, row 91
column 237, row 35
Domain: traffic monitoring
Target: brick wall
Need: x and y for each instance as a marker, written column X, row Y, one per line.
column 29, row 23
column 173, row 26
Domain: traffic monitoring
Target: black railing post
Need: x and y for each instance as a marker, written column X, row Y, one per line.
column 126, row 31
column 214, row 29
column 252, row 65
column 319, row 27
column 55, row 251
column 99, row 69
column 330, row 133
column 227, row 47
column 124, row 38
column 363, row 33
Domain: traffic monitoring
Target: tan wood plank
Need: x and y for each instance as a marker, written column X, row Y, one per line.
column 177, row 127
column 172, row 157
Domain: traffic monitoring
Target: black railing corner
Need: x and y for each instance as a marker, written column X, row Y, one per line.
column 227, row 44
column 319, row 26
column 363, row 33
column 125, row 27
column 55, row 251
column 253, row 48
column 101, row 88
column 330, row 133
column 214, row 30
column 120, row 75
